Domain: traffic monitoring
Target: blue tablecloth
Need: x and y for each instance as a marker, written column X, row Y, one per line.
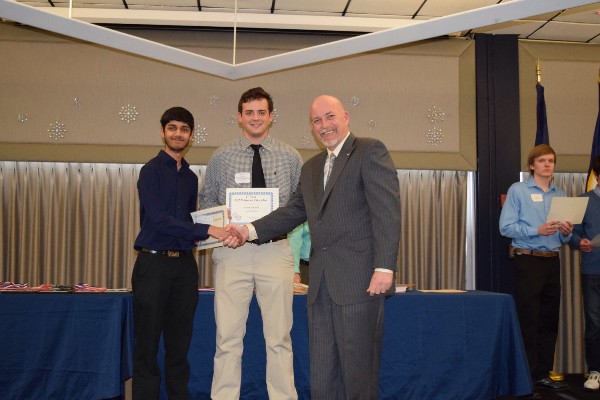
column 65, row 346
column 436, row 346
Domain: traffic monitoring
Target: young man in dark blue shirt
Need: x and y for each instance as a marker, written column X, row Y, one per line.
column 165, row 275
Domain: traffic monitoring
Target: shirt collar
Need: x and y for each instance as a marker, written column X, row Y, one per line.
column 532, row 183
column 338, row 148
column 267, row 142
column 168, row 160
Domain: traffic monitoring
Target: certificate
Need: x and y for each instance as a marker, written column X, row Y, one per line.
column 567, row 209
column 247, row 205
column 216, row 216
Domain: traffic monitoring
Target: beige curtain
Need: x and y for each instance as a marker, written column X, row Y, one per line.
column 69, row 223
column 570, row 356
column 432, row 242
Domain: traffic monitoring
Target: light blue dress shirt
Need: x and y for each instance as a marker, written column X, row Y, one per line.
column 525, row 209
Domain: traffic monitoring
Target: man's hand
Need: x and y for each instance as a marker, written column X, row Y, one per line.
column 218, row 233
column 585, row 245
column 565, row 228
column 238, row 235
column 549, row 228
column 380, row 282
column 296, row 278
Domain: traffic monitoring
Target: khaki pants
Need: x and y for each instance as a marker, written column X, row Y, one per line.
column 267, row 269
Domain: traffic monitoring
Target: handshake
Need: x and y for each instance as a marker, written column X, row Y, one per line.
column 232, row 235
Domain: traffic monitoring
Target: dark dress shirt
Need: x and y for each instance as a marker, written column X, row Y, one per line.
column 167, row 197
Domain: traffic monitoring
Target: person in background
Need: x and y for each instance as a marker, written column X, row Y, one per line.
column 266, row 269
column 583, row 235
column 165, row 274
column 350, row 196
column 299, row 240
column 535, row 245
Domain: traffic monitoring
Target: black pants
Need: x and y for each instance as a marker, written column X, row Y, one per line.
column 165, row 292
column 538, row 304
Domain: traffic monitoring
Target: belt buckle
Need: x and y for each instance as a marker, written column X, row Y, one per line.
column 172, row 253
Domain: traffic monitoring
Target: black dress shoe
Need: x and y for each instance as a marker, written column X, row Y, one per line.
column 548, row 383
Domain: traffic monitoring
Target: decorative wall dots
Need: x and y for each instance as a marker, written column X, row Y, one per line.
column 57, row 130
column 435, row 135
column 213, row 100
column 200, row 134
column 435, row 114
column 128, row 113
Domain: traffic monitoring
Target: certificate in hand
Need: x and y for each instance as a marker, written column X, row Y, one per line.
column 250, row 204
column 216, row 216
column 567, row 209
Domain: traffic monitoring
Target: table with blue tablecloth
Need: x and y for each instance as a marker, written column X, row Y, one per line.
column 436, row 346
column 65, row 346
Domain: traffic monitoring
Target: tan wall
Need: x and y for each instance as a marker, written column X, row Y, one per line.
column 569, row 74
column 396, row 89
column 41, row 74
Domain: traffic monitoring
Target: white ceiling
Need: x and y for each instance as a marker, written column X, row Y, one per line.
column 376, row 24
column 573, row 24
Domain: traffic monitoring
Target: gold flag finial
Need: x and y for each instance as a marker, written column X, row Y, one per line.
column 538, row 71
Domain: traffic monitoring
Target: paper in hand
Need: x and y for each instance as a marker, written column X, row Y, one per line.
column 215, row 216
column 567, row 209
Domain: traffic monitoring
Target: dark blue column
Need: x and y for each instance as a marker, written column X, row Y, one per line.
column 498, row 150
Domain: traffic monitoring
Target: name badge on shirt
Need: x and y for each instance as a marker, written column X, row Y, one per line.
column 242, row 177
column 536, row 197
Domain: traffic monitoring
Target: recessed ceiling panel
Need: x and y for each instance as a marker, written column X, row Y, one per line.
column 439, row 8
column 586, row 15
column 98, row 3
column 331, row 6
column 385, row 8
column 241, row 5
column 566, row 31
column 522, row 28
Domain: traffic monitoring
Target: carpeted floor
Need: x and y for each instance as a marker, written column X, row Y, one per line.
column 575, row 391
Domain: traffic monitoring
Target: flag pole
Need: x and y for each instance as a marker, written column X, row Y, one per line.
column 538, row 71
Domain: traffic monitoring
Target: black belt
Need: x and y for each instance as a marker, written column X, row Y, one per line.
column 303, row 262
column 168, row 253
column 276, row 239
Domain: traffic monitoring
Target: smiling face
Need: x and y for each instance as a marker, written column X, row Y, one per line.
column 255, row 120
column 177, row 136
column 329, row 121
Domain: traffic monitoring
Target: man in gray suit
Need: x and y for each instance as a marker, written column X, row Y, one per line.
column 352, row 206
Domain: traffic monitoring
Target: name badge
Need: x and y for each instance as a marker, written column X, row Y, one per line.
column 242, row 177
column 536, row 197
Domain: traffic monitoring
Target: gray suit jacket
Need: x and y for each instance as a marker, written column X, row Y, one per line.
column 354, row 222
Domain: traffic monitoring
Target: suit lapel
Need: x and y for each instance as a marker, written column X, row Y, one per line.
column 338, row 166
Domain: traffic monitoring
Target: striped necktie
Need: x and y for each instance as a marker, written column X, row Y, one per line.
column 330, row 162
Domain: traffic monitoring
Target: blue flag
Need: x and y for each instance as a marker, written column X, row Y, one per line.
column 541, row 134
column 591, row 179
